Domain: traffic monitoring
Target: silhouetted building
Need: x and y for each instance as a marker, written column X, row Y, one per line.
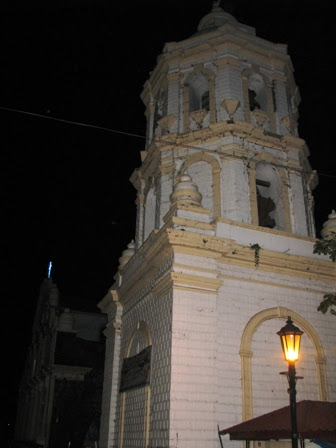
column 59, row 401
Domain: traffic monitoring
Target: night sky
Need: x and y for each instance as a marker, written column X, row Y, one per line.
column 65, row 187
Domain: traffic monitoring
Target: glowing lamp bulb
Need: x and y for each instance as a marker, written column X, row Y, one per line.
column 290, row 336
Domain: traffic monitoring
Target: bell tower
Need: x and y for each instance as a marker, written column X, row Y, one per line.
column 223, row 106
column 223, row 251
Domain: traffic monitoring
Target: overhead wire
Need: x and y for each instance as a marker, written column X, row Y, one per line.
column 77, row 123
column 131, row 134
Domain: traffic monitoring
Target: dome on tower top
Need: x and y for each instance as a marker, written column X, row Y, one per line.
column 215, row 18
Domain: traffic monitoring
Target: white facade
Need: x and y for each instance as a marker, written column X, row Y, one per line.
column 223, row 251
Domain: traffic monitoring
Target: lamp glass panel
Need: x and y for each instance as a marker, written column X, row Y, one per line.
column 291, row 346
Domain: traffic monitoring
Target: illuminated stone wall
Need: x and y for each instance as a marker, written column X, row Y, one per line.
column 208, row 280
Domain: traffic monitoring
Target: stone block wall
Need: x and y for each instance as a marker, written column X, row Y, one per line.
column 208, row 377
column 193, row 379
column 136, row 413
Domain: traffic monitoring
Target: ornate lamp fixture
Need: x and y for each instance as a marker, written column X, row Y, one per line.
column 290, row 337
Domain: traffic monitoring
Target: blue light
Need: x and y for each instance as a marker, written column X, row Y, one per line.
column 49, row 268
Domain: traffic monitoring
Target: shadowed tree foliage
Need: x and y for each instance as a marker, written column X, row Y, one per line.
column 327, row 246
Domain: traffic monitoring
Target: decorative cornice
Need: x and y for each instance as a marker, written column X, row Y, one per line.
column 271, row 281
column 152, row 265
column 287, row 264
column 241, row 129
column 174, row 77
column 171, row 220
column 166, row 167
column 151, row 163
column 267, row 230
column 229, row 252
column 195, row 283
column 137, row 180
column 110, row 329
column 162, row 286
column 109, row 303
column 227, row 40
column 236, row 44
column 279, row 77
column 228, row 62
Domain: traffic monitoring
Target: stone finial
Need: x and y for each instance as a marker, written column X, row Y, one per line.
column 186, row 192
column 216, row 5
column 330, row 225
column 216, row 17
column 126, row 254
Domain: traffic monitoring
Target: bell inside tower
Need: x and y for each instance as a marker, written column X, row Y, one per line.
column 269, row 197
column 257, row 93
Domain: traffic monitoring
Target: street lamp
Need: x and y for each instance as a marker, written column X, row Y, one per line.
column 290, row 336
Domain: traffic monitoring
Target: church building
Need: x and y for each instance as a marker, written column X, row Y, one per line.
column 223, row 252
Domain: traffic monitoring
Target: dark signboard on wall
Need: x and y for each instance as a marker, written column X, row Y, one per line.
column 135, row 370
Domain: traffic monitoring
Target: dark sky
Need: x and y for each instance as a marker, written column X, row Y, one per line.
column 65, row 188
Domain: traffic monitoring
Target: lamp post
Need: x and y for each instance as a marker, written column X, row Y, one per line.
column 290, row 336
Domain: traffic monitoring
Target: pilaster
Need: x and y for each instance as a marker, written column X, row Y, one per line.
column 174, row 81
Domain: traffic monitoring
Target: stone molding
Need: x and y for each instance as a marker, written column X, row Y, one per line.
column 174, row 77
column 109, row 330
column 281, row 283
column 280, row 263
column 279, row 77
column 108, row 304
column 170, row 221
column 216, row 132
column 176, row 221
column 195, row 283
column 228, row 62
column 157, row 263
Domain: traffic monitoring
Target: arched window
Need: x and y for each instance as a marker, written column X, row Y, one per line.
column 199, row 99
column 199, row 93
column 254, row 353
column 269, row 197
column 150, row 210
column 139, row 343
column 205, row 101
column 161, row 108
column 257, row 92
